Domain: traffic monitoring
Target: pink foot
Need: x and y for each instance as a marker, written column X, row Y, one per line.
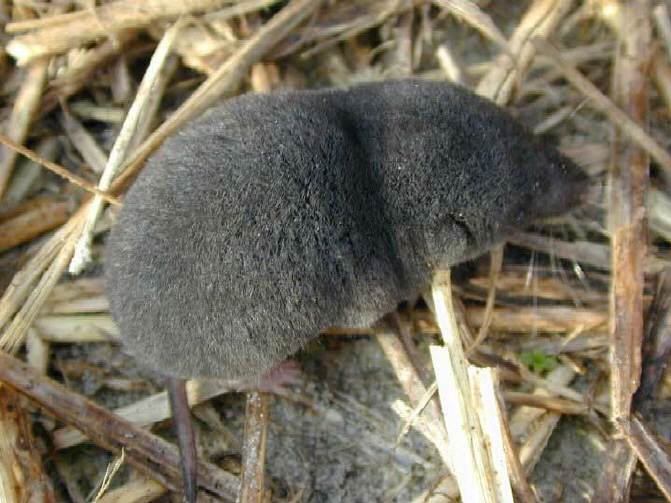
column 279, row 377
column 274, row 381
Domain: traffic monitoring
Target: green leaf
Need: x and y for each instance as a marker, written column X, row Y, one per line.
column 538, row 362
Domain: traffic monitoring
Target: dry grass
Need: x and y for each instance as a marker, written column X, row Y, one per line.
column 571, row 317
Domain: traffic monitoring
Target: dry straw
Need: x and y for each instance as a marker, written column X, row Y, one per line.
column 582, row 297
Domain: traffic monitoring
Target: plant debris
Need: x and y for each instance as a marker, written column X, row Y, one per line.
column 553, row 376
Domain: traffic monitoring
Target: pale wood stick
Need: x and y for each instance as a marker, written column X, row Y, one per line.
column 540, row 20
column 137, row 491
column 59, row 170
column 253, row 481
column 24, row 109
column 152, row 455
column 628, row 185
column 650, row 451
column 473, row 15
column 603, row 104
column 473, row 463
column 60, row 33
column 82, row 253
column 32, row 222
column 22, row 476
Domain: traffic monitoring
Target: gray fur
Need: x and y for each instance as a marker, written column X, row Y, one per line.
column 274, row 216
